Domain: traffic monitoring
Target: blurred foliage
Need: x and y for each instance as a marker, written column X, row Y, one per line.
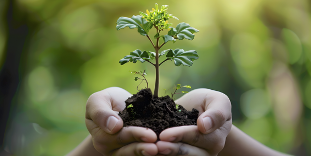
column 257, row 52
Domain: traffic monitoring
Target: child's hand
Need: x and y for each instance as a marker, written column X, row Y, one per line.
column 105, row 126
column 213, row 126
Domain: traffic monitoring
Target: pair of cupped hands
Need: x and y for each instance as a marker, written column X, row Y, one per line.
column 206, row 138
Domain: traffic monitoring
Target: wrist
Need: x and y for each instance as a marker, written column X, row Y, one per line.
column 85, row 148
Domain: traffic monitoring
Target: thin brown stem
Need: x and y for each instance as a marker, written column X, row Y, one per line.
column 150, row 41
column 150, row 62
column 163, row 61
column 156, row 88
column 144, row 78
column 174, row 92
column 143, row 75
column 162, row 45
column 139, row 84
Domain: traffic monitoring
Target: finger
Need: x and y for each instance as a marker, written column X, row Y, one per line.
column 126, row 136
column 195, row 99
column 168, row 148
column 101, row 109
column 214, row 108
column 212, row 142
column 137, row 149
column 130, row 134
column 217, row 112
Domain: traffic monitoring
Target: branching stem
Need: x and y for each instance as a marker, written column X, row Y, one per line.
column 150, row 62
column 150, row 41
column 174, row 92
column 143, row 75
column 144, row 78
column 163, row 61
column 162, row 45
column 156, row 88
column 140, row 84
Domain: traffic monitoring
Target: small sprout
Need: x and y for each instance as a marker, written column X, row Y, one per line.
column 177, row 106
column 142, row 74
column 187, row 86
column 178, row 86
column 129, row 106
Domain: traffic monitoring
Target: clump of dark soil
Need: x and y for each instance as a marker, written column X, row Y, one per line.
column 156, row 113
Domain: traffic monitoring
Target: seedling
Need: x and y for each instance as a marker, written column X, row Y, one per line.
column 177, row 87
column 142, row 74
column 158, row 18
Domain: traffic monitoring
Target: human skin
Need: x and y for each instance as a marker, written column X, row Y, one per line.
column 213, row 126
column 240, row 144
column 210, row 136
column 195, row 140
column 106, row 127
column 110, row 138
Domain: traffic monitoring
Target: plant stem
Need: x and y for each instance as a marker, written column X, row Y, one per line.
column 174, row 92
column 162, row 44
column 151, row 62
column 163, row 61
column 143, row 75
column 150, row 40
column 156, row 88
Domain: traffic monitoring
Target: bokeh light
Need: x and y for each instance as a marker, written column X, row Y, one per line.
column 256, row 52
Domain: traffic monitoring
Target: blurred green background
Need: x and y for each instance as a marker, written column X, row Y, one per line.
column 258, row 52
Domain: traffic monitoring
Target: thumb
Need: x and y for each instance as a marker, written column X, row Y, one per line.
column 102, row 108
column 210, row 120
column 103, row 118
column 108, row 120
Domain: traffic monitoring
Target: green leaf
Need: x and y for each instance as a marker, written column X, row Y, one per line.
column 187, row 86
column 151, row 54
column 134, row 56
column 138, row 22
column 136, row 78
column 184, row 92
column 176, row 106
column 167, row 38
column 164, row 52
column 178, row 86
column 157, row 35
column 183, row 31
column 172, row 32
column 156, row 6
column 182, row 57
column 129, row 106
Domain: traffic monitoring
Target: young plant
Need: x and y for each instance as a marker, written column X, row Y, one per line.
column 177, row 87
column 142, row 74
column 158, row 19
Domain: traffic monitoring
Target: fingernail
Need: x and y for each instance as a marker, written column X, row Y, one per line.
column 111, row 122
column 207, row 122
column 167, row 151
column 145, row 153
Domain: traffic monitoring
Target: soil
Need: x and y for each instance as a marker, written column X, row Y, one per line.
column 156, row 113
